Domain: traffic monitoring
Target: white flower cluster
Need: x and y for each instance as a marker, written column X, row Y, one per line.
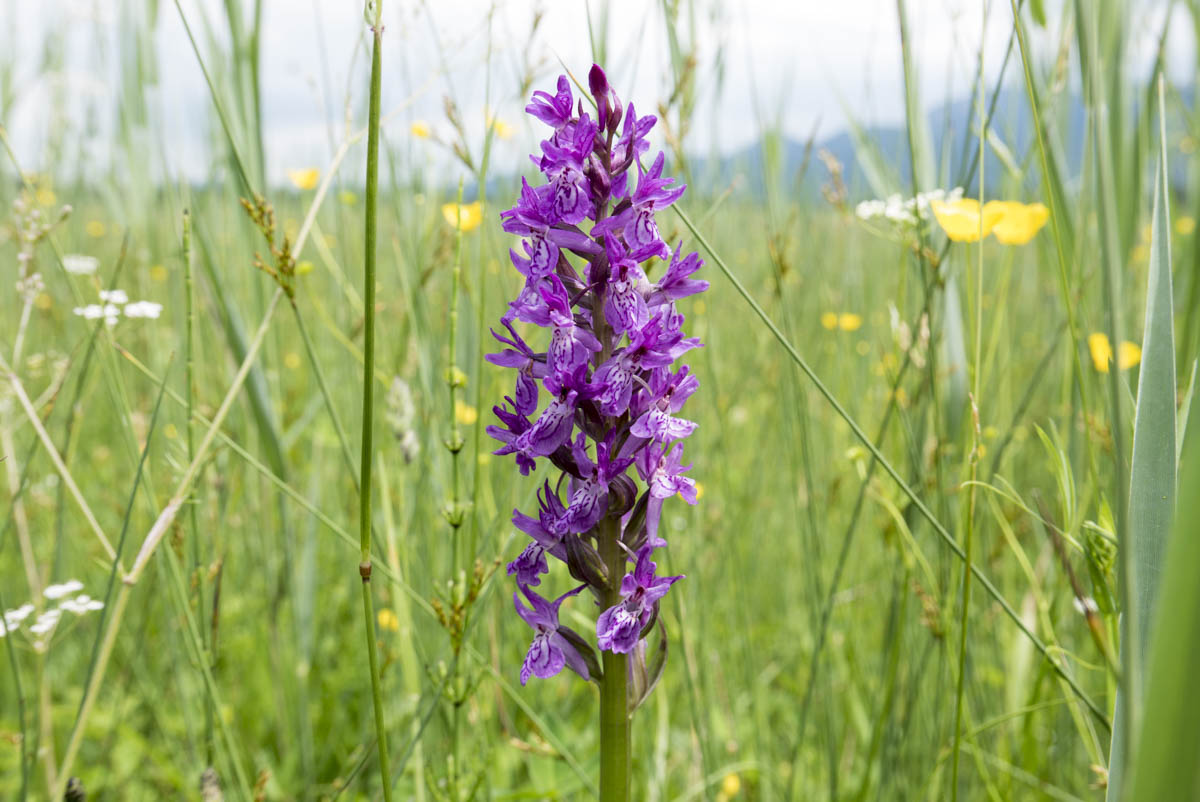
column 904, row 211
column 28, row 287
column 116, row 303
column 45, row 623
column 80, row 265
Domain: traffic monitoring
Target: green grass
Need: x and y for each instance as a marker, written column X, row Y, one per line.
column 819, row 641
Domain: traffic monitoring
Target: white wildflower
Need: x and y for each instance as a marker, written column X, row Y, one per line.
column 81, row 604
column 15, row 617
column 114, row 296
column 80, row 264
column 111, row 314
column 89, row 312
column 46, row 622
column 146, row 309
column 870, row 209
column 58, row 591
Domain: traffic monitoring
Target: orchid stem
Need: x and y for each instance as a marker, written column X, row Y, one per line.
column 614, row 685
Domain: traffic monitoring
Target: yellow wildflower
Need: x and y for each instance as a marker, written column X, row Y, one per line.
column 848, row 321
column 731, row 785
column 304, row 267
column 46, row 196
column 170, row 432
column 960, row 219
column 347, row 197
column 464, row 413
column 1018, row 222
column 468, row 216
column 421, row 130
column 829, row 320
column 305, row 179
column 291, row 360
column 388, row 620
column 158, row 273
column 503, row 130
column 1128, row 355
column 1185, row 225
column 95, row 228
column 43, row 301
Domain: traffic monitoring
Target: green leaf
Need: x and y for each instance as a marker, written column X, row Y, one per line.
column 1168, row 754
column 1152, row 477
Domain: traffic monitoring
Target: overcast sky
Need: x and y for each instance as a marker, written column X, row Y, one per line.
column 802, row 63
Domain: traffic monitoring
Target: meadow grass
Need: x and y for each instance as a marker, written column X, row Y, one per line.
column 200, row 471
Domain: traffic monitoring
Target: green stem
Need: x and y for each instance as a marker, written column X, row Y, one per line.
column 193, row 525
column 364, row 495
column 614, row 685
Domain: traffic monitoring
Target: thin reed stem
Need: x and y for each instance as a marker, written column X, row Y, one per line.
column 969, row 539
column 368, row 408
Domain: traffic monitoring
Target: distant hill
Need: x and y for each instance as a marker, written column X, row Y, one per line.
column 949, row 127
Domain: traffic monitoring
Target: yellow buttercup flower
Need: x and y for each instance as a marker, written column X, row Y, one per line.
column 829, row 320
column 848, row 321
column 1018, row 222
column 158, row 273
column 1185, row 225
column 468, row 216
column 465, row 413
column 503, row 130
column 388, row 620
column 961, row 221
column 731, row 785
column 305, row 179
column 95, row 228
column 1128, row 355
column 347, row 197
column 421, row 130
column 46, row 197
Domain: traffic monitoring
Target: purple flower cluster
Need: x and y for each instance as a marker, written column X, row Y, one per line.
column 608, row 370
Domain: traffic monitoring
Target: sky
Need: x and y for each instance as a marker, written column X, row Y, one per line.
column 803, row 65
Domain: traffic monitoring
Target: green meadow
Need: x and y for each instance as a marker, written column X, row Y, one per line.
column 945, row 545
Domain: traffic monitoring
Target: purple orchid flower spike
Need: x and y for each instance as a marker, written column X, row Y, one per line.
column 619, row 628
column 609, row 358
column 550, row 650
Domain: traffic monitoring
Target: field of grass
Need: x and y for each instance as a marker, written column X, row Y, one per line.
column 878, row 406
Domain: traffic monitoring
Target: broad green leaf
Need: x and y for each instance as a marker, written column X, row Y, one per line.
column 1152, row 479
column 1168, row 753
